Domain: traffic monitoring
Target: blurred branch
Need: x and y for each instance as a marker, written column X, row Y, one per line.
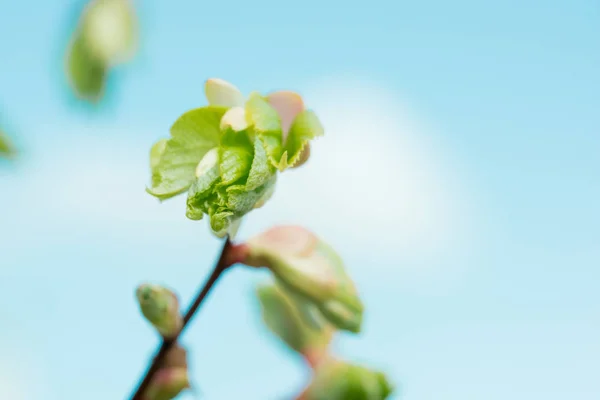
column 226, row 259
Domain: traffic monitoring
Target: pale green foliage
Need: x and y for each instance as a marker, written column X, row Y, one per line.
column 312, row 270
column 337, row 380
column 172, row 377
column 240, row 174
column 289, row 319
column 105, row 36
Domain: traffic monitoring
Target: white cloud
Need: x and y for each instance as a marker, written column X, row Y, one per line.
column 377, row 182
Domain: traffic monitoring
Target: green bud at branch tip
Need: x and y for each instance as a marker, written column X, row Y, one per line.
column 160, row 306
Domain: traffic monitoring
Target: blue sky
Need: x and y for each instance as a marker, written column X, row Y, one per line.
column 458, row 177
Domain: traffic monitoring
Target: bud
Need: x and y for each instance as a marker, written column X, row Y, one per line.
column 308, row 267
column 337, row 380
column 222, row 93
column 171, row 378
column 235, row 118
column 160, row 306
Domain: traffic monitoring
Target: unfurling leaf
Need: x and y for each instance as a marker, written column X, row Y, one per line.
column 171, row 378
column 337, row 380
column 160, row 306
column 106, row 35
column 286, row 317
column 87, row 74
column 308, row 267
column 226, row 155
column 192, row 136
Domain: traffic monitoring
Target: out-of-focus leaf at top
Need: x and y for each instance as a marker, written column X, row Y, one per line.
column 87, row 75
column 109, row 28
column 105, row 36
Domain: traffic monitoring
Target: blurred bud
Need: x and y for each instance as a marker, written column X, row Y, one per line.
column 337, row 380
column 110, row 30
column 160, row 306
column 308, row 267
column 222, row 93
column 287, row 318
column 172, row 376
column 167, row 384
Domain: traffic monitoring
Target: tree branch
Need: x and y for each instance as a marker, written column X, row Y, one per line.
column 225, row 261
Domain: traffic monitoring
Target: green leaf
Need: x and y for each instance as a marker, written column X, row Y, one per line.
column 260, row 171
column 200, row 191
column 86, row 73
column 305, row 127
column 235, row 153
column 266, row 125
column 156, row 152
column 192, row 136
column 242, row 200
column 281, row 313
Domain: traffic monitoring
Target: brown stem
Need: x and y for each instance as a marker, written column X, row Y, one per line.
column 225, row 261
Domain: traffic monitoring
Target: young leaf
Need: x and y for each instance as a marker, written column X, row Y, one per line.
column 305, row 127
column 266, row 124
column 307, row 266
column 283, row 315
column 288, row 105
column 235, row 154
column 86, row 73
column 192, row 136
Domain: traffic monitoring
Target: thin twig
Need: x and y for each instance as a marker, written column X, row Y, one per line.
column 223, row 263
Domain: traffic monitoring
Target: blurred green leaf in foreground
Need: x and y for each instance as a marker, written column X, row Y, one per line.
column 106, row 36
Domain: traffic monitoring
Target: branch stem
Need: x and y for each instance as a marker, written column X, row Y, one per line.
column 224, row 262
